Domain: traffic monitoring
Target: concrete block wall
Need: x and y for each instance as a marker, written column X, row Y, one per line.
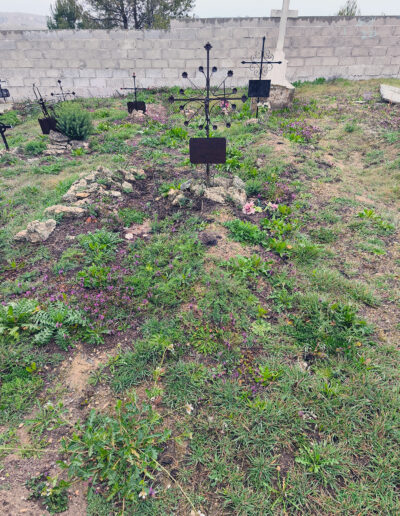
column 97, row 63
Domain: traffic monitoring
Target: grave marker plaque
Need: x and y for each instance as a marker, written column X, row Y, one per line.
column 4, row 92
column 207, row 151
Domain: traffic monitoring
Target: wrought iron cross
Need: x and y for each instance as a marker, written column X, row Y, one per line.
column 63, row 94
column 137, row 105
column 3, row 128
column 207, row 150
column 260, row 88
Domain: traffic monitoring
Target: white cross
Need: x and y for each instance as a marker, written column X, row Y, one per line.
column 282, row 25
column 278, row 72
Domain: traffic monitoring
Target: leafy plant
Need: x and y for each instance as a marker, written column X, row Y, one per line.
column 329, row 328
column 100, row 246
column 17, row 316
column 73, row 121
column 59, row 322
column 378, row 221
column 95, row 276
column 320, row 459
column 50, row 491
column 35, row 147
column 252, row 267
column 126, row 468
column 246, row 232
column 131, row 216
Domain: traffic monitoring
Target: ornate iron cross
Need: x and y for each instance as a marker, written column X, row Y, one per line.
column 260, row 88
column 208, row 150
column 63, row 94
column 4, row 92
column 137, row 105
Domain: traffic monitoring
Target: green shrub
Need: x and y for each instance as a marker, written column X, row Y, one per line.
column 35, row 147
column 74, row 122
column 10, row 118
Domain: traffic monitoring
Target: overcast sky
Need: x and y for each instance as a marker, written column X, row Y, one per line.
column 228, row 8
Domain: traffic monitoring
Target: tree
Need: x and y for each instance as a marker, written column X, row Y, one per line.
column 350, row 9
column 65, row 14
column 136, row 14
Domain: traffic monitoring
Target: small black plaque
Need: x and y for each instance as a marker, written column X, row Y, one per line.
column 48, row 124
column 259, row 89
column 207, row 150
column 4, row 93
column 137, row 105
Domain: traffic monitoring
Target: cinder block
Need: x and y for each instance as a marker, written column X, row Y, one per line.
column 360, row 51
column 307, row 52
column 325, row 52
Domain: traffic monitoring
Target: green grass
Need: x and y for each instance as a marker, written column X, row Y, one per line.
column 253, row 379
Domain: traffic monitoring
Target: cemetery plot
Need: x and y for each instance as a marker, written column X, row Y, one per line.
column 169, row 346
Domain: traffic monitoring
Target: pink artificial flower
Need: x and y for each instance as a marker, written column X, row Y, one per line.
column 249, row 208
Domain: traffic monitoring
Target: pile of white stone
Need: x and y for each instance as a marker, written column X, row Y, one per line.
column 222, row 190
column 87, row 190
column 61, row 144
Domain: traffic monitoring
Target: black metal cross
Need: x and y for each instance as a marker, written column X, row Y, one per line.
column 49, row 122
column 208, row 150
column 4, row 92
column 63, row 94
column 137, row 105
column 3, row 128
column 261, row 88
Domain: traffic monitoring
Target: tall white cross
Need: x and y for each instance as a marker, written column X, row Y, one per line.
column 282, row 25
column 278, row 72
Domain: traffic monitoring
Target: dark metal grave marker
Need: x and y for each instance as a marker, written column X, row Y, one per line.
column 48, row 122
column 261, row 88
column 3, row 128
column 207, row 150
column 63, row 94
column 4, row 92
column 136, row 105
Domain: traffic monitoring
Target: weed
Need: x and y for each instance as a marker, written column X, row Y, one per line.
column 329, row 328
column 35, row 147
column 246, row 232
column 50, row 491
column 125, row 470
column 131, row 216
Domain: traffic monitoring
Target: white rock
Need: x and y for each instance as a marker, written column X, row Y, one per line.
column 127, row 187
column 37, row 231
column 390, row 93
column 66, row 211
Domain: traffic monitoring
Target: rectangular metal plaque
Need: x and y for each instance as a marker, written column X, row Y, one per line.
column 207, row 150
column 4, row 93
column 137, row 105
column 259, row 89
